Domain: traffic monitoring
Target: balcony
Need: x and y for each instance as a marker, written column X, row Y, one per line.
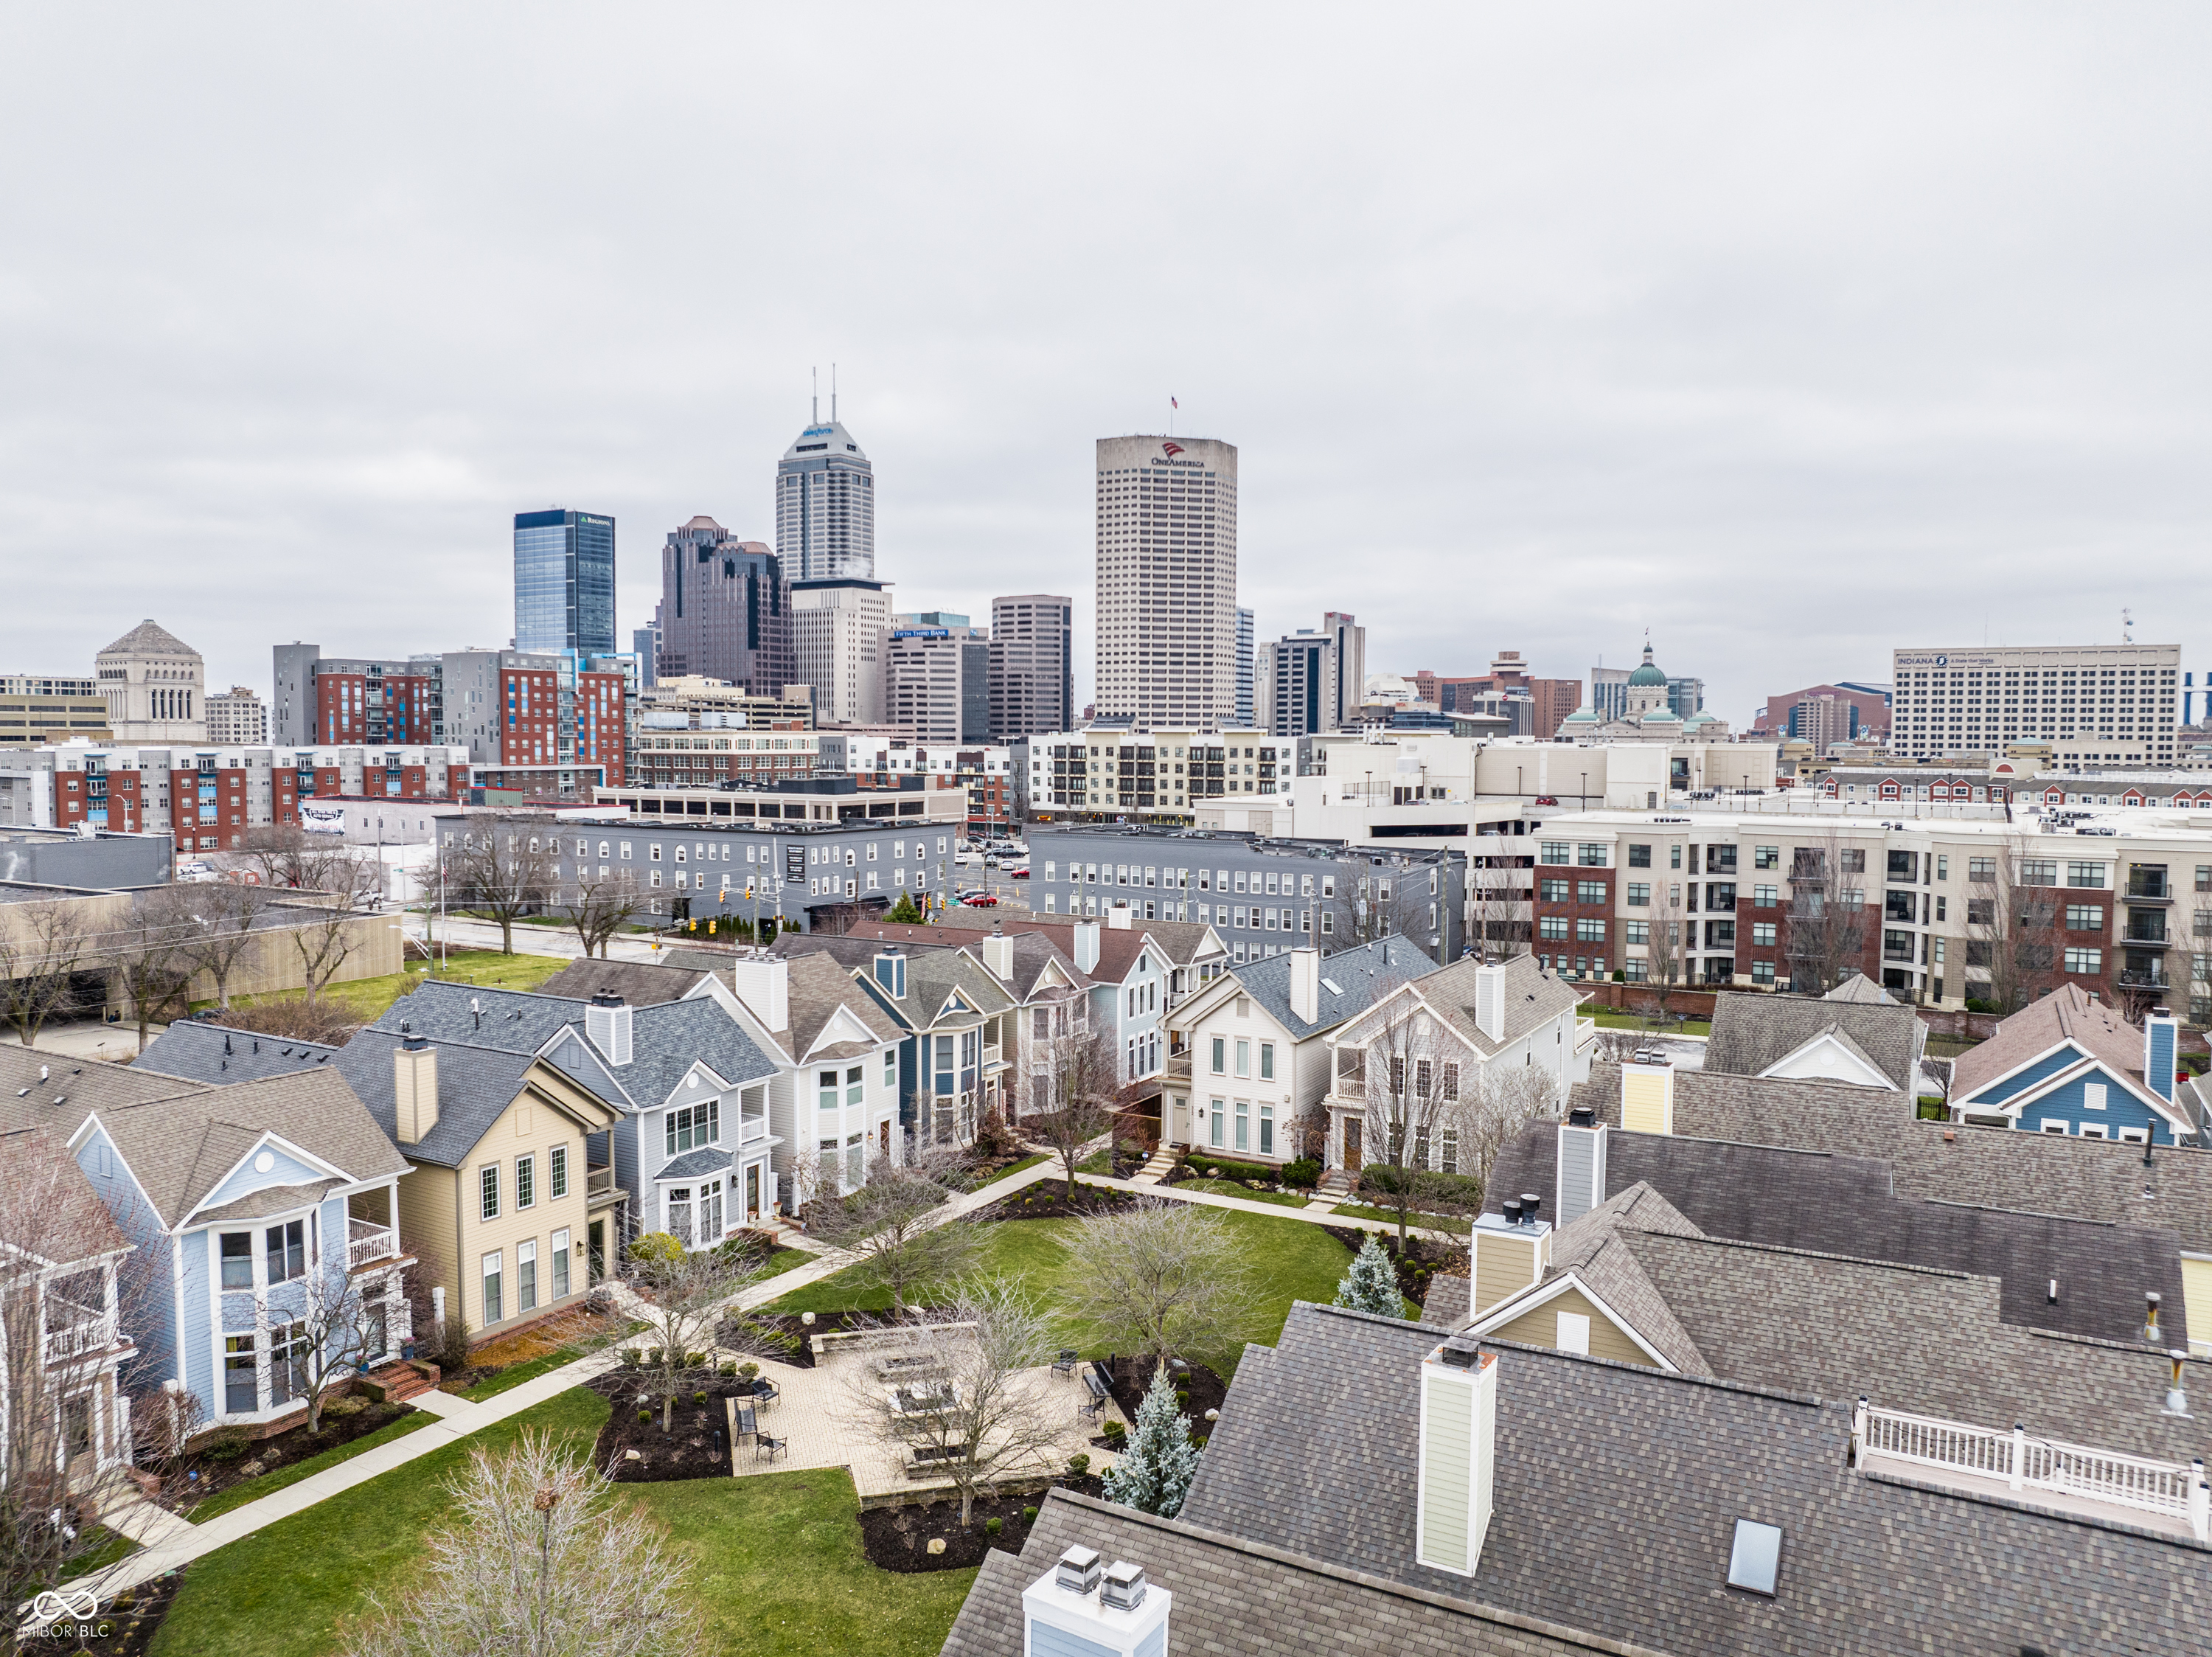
column 599, row 1182
column 751, row 1130
column 2151, row 933
column 367, row 1241
column 73, row 1330
column 2145, row 977
column 2154, row 890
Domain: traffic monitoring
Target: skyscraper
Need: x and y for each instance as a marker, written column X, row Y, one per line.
column 1248, row 669
column 724, row 610
column 1032, row 670
column 1167, row 580
column 564, row 581
column 825, row 505
column 838, row 629
column 937, row 673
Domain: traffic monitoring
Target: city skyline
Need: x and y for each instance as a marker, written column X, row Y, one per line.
column 1591, row 344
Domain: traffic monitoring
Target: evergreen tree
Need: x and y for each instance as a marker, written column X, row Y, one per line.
column 1154, row 1473
column 1372, row 1285
column 904, row 912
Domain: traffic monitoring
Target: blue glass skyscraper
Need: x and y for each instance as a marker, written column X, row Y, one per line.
column 564, row 583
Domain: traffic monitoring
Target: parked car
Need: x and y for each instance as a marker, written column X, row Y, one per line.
column 1018, row 872
column 1547, row 799
column 981, row 900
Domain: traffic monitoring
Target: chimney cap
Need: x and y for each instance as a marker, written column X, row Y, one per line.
column 1460, row 1352
column 1125, row 1586
column 1510, row 1208
column 413, row 1044
column 606, row 998
column 1530, row 1201
column 1581, row 1115
column 1078, row 1569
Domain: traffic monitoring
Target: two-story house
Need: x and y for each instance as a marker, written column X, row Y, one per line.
column 1257, row 1058
column 689, row 1141
column 2071, row 1064
column 498, row 1192
column 63, row 1341
column 267, row 1209
column 1424, row 1054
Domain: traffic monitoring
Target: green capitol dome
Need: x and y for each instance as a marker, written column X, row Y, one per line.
column 1648, row 674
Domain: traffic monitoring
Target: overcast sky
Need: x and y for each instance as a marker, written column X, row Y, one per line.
column 1790, row 335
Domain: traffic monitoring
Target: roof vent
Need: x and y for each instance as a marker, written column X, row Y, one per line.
column 1125, row 1586
column 1079, row 1571
column 1510, row 1208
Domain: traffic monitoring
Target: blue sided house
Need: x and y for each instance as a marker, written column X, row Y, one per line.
column 270, row 1210
column 2071, row 1064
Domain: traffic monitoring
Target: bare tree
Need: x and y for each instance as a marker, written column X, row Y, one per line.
column 896, row 1226
column 1162, row 1277
column 972, row 1400
column 334, row 1325
column 43, row 944
column 506, row 869
column 1504, row 1099
column 68, row 1284
column 541, row 1559
column 283, row 855
column 599, row 905
column 1665, row 955
column 1411, row 1071
column 1387, row 900
column 222, row 915
column 2013, row 938
column 152, row 957
column 1499, row 904
column 683, row 1297
column 1828, row 914
column 1075, row 1085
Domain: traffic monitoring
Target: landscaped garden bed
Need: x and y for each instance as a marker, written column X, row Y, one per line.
column 227, row 1456
column 1421, row 1261
column 1049, row 1200
column 125, row 1626
column 898, row 1538
column 1198, row 1390
column 634, row 1449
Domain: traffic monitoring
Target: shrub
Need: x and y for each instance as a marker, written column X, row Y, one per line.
column 1113, row 1433
column 1028, row 1515
column 1079, row 1463
column 748, row 1369
column 630, row 1357
column 226, row 1444
column 645, row 1416
column 345, row 1407
column 729, row 1371
column 993, row 1525
column 656, row 1246
column 652, row 1358
column 1303, row 1174
column 694, row 1360
column 1244, row 1171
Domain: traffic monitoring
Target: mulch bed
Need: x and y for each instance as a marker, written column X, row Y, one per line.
column 1422, row 1260
column 740, row 1335
column 218, row 1472
column 1132, row 1376
column 124, row 1626
column 898, row 1538
column 1050, row 1201
column 687, row 1451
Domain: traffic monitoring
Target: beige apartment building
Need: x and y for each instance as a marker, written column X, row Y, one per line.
column 838, row 628
column 1167, row 580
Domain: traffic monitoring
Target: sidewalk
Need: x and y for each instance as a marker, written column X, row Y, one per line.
column 168, row 1541
column 1319, row 1213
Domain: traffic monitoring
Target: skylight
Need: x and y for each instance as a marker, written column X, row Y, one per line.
column 1756, row 1559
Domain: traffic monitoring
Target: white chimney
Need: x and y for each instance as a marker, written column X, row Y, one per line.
column 1490, row 1001
column 1459, row 1434
column 1305, row 985
column 998, row 957
column 1647, row 1093
column 764, row 984
column 1086, row 946
column 1581, row 1165
column 606, row 1022
column 1082, row 1606
column 414, row 1089
column 1117, row 916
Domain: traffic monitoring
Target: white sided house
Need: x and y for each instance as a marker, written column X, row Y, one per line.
column 1248, row 1051
column 1435, row 1048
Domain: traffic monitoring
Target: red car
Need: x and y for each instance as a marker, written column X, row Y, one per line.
column 1546, row 799
column 981, row 900
column 1021, row 873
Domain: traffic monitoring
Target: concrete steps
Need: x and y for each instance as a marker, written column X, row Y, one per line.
column 1161, row 1165
column 398, row 1382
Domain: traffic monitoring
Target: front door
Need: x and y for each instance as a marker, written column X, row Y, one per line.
column 752, row 1194
column 1179, row 1128
column 597, row 1250
column 1351, row 1144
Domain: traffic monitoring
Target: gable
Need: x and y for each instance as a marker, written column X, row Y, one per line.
column 270, row 1162
column 1533, row 1318
column 843, row 1026
column 1824, row 1058
column 2050, row 1063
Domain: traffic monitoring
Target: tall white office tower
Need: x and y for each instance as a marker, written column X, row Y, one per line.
column 1167, row 581
column 825, row 505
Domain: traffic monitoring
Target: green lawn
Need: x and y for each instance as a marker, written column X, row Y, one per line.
column 1451, row 1223
column 1294, row 1260
column 777, row 1561
column 368, row 998
column 515, row 1374
column 1605, row 1019
column 1231, row 1188
column 253, row 1490
column 103, row 1547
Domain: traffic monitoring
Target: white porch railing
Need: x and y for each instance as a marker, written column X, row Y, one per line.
column 73, row 1330
column 366, row 1240
column 2025, row 1463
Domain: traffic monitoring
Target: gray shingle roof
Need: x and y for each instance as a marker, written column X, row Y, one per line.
column 1854, row 1205
column 1616, row 1491
column 934, row 972
column 1752, row 1032
column 216, row 1054
column 475, row 1086
column 2066, row 1014
column 1532, row 997
column 1360, row 976
column 667, row 1039
column 640, row 984
column 1860, row 988
column 696, row 1165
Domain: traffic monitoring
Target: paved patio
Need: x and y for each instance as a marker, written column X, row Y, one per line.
column 821, row 1416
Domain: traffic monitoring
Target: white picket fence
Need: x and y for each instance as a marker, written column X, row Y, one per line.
column 2024, row 1462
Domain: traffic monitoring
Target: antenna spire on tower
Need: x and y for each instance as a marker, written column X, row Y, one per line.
column 815, row 419
column 833, row 393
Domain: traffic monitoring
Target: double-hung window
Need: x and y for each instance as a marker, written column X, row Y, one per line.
column 1266, row 1061
column 557, row 1173
column 560, row 1265
column 238, row 1266
column 488, row 1192
column 526, row 1277
column 525, row 1183
column 493, row 1309
column 1243, row 1056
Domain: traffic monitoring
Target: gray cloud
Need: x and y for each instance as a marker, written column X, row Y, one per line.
column 1791, row 335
